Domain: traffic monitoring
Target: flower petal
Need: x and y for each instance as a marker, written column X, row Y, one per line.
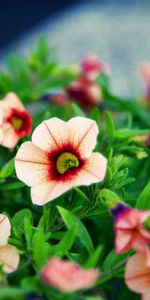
column 122, row 241
column 50, row 134
column 48, row 191
column 128, row 219
column 31, row 164
column 11, row 101
column 83, row 134
column 93, row 171
column 68, row 276
column 137, row 274
column 5, row 228
column 9, row 137
column 9, row 258
column 146, row 296
column 144, row 70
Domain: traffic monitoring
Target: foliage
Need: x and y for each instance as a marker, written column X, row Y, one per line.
column 77, row 225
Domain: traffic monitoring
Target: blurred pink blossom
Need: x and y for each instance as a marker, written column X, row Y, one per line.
column 67, row 276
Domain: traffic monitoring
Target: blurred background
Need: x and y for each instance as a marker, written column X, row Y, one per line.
column 116, row 30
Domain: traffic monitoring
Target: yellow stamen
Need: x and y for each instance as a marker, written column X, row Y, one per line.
column 16, row 122
column 66, row 161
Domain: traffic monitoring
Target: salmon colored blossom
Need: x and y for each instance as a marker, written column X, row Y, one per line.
column 91, row 67
column 137, row 275
column 130, row 231
column 9, row 257
column 16, row 121
column 67, row 276
column 144, row 71
column 59, row 158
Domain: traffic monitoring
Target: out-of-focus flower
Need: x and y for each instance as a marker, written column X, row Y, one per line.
column 147, row 140
column 130, row 231
column 16, row 121
column 9, row 257
column 144, row 71
column 137, row 275
column 5, row 228
column 141, row 139
column 91, row 67
column 1, row 132
column 60, row 157
column 85, row 92
column 57, row 98
column 67, row 276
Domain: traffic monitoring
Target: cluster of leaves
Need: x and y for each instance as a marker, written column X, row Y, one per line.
column 77, row 225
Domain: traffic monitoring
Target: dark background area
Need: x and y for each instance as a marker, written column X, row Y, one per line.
column 19, row 16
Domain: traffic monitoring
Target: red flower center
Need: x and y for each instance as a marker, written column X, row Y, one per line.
column 20, row 121
column 65, row 163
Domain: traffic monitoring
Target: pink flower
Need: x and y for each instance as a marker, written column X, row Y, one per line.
column 67, row 276
column 16, row 121
column 85, row 92
column 91, row 67
column 59, row 158
column 144, row 71
column 137, row 275
column 9, row 257
column 129, row 230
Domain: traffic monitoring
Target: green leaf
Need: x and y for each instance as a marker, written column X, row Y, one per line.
column 31, row 284
column 113, row 259
column 41, row 249
column 109, row 125
column 20, row 216
column 77, row 110
column 66, row 243
column 11, row 186
column 70, row 219
column 146, row 224
column 28, row 231
column 129, row 133
column 93, row 298
column 11, row 293
column 95, row 115
column 93, row 259
column 143, row 202
column 7, row 170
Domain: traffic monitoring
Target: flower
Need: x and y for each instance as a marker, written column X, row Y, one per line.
column 67, row 276
column 144, row 71
column 9, row 257
column 1, row 132
column 4, row 229
column 91, row 67
column 59, row 158
column 137, row 275
column 85, row 92
column 16, row 121
column 58, row 98
column 130, row 231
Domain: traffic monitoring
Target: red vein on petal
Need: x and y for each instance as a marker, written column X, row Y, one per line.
column 33, row 162
column 91, row 173
column 84, row 135
column 3, row 219
column 51, row 134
